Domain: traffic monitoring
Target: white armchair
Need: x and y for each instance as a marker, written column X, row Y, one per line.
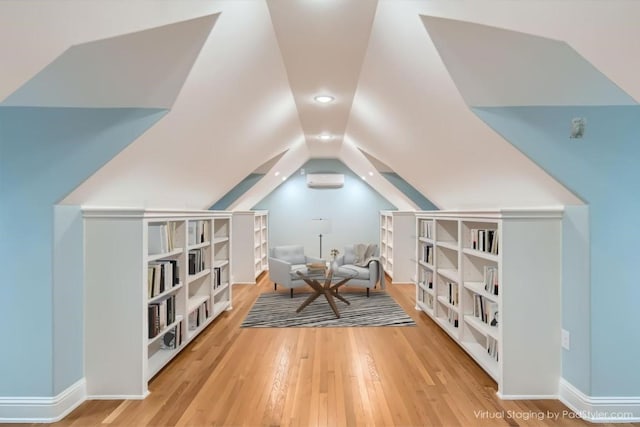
column 368, row 275
column 285, row 262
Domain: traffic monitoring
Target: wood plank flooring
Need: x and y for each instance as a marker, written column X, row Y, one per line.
column 387, row 376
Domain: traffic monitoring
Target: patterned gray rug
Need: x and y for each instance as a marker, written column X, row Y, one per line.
column 278, row 310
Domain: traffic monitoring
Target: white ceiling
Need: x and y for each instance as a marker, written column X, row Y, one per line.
column 249, row 94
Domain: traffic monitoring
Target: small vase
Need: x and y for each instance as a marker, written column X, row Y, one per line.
column 334, row 264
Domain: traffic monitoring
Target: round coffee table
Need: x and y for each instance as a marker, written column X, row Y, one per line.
column 327, row 283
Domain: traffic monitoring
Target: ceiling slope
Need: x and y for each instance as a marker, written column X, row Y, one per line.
column 323, row 44
column 496, row 67
column 227, row 119
column 408, row 111
column 143, row 69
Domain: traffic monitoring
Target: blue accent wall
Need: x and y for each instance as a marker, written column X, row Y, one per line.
column 409, row 191
column 44, row 154
column 602, row 169
column 237, row 191
column 353, row 210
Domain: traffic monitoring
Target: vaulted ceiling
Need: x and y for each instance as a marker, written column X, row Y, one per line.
column 241, row 90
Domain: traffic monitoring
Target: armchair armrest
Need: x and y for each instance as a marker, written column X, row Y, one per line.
column 279, row 271
column 374, row 268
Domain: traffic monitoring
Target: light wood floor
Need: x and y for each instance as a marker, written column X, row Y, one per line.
column 401, row 376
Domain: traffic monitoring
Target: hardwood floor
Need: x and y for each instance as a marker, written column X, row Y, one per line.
column 391, row 376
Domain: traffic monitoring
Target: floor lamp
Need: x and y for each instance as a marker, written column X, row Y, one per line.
column 321, row 226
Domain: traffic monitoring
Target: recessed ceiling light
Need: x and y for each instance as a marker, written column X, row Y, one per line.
column 370, row 173
column 363, row 178
column 277, row 173
column 325, row 137
column 284, row 178
column 323, row 99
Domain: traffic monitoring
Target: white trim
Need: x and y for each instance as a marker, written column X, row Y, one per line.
column 119, row 396
column 43, row 409
column 155, row 214
column 526, row 396
column 599, row 409
column 554, row 212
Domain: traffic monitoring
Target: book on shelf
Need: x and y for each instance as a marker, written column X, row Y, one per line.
column 484, row 240
column 486, row 310
column 196, row 260
column 490, row 279
column 427, row 253
column 452, row 289
column 161, row 314
column 426, row 229
column 196, row 232
column 161, row 238
column 452, row 317
column 198, row 316
column 161, row 276
column 217, row 279
column 492, row 348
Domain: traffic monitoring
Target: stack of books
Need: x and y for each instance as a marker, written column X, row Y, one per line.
column 316, row 267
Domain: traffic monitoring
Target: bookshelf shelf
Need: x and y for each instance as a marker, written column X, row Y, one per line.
column 479, row 254
column 250, row 245
column 148, row 290
column 166, row 293
column 170, row 254
column 200, row 245
column 196, row 301
column 467, row 248
column 483, row 328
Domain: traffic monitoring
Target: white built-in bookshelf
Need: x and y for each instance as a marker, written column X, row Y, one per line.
column 491, row 280
column 397, row 236
column 250, row 245
column 153, row 281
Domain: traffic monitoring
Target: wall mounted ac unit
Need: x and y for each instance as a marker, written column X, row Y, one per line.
column 325, row 180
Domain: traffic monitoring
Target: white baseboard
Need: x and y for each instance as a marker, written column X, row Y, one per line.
column 42, row 409
column 527, row 396
column 599, row 409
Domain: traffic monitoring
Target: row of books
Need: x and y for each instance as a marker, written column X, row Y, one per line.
column 217, row 277
column 484, row 240
column 492, row 348
column 198, row 316
column 197, row 260
column 452, row 317
column 197, row 232
column 452, row 293
column 161, row 314
column 426, row 279
column 485, row 310
column 426, row 229
column 161, row 238
column 425, row 297
column 490, row 279
column 427, row 253
column 172, row 339
column 161, row 275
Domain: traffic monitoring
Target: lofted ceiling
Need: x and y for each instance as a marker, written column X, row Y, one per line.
column 398, row 74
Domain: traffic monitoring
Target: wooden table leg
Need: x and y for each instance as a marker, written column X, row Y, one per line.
column 309, row 301
column 329, row 296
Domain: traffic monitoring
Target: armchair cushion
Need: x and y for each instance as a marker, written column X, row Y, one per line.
column 293, row 254
column 369, row 274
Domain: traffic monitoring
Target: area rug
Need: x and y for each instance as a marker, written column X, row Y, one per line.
column 278, row 310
